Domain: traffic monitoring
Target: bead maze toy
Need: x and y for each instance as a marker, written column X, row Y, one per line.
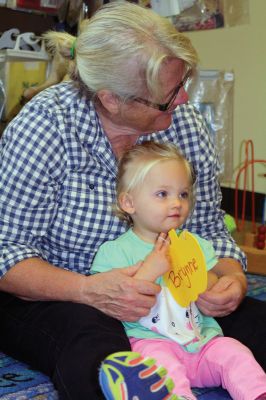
column 252, row 239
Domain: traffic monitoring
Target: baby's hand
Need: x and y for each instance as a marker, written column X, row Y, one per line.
column 157, row 261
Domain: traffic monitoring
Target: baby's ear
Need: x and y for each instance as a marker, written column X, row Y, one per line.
column 126, row 203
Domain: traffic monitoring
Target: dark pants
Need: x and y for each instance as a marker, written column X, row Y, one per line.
column 248, row 325
column 68, row 341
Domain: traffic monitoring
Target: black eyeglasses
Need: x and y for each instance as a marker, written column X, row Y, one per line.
column 166, row 106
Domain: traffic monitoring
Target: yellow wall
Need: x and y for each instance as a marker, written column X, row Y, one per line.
column 242, row 49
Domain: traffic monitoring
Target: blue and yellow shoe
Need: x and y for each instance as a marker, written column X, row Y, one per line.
column 128, row 376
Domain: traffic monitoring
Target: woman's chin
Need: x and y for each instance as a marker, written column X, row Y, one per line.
column 164, row 123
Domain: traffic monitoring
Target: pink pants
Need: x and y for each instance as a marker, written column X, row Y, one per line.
column 222, row 362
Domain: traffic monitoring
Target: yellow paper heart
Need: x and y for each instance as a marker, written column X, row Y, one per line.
column 187, row 277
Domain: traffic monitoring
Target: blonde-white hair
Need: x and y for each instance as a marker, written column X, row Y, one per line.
column 135, row 165
column 121, row 48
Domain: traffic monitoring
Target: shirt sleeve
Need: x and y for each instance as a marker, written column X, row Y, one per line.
column 31, row 158
column 207, row 219
column 109, row 256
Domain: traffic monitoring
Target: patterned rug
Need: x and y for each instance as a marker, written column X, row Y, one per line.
column 19, row 382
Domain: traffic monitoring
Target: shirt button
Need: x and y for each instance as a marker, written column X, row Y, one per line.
column 91, row 186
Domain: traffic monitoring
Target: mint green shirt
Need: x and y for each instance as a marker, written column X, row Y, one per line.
column 167, row 319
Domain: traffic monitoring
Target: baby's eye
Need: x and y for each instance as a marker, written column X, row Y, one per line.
column 161, row 194
column 184, row 195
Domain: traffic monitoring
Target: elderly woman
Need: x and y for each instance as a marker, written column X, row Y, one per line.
column 58, row 171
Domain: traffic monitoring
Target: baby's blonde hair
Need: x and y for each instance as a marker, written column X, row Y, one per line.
column 136, row 163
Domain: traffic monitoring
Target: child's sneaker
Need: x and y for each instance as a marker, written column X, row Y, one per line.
column 128, row 376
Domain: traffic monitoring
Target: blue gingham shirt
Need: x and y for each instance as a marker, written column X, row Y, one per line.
column 57, row 182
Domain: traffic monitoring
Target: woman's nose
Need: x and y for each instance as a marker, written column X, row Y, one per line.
column 182, row 97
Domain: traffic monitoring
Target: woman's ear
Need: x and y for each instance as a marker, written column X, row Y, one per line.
column 126, row 203
column 109, row 101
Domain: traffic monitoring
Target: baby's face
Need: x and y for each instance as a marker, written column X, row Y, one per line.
column 163, row 200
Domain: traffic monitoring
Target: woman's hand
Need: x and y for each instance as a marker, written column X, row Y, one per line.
column 129, row 293
column 227, row 293
column 212, row 279
column 116, row 293
column 119, row 294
